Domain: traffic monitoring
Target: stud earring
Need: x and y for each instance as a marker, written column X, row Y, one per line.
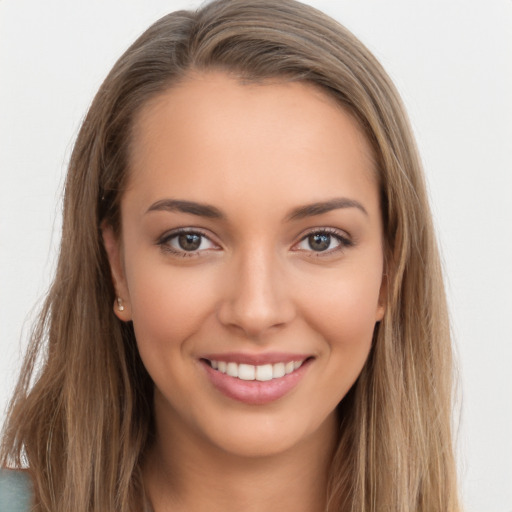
column 120, row 306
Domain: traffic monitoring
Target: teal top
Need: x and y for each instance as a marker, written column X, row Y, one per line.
column 15, row 491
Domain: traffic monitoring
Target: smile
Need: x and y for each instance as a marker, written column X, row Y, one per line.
column 264, row 372
column 256, row 379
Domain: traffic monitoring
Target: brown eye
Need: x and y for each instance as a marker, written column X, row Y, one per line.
column 327, row 240
column 186, row 243
column 319, row 241
column 189, row 241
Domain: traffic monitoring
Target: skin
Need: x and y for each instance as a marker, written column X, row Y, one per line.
column 255, row 152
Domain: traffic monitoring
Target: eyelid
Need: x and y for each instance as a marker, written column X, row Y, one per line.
column 163, row 241
column 345, row 241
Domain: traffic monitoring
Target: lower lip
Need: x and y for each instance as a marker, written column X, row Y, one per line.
column 255, row 392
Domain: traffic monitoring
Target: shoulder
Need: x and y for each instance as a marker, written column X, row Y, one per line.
column 15, row 490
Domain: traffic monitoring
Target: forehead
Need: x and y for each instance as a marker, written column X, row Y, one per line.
column 212, row 135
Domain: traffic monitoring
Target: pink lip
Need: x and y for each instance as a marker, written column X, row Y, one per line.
column 254, row 392
column 256, row 359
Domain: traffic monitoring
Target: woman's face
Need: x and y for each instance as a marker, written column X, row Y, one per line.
column 251, row 244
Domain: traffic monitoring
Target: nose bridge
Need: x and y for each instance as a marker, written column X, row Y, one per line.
column 257, row 297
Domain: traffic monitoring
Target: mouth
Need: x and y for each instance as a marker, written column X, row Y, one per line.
column 255, row 380
column 262, row 372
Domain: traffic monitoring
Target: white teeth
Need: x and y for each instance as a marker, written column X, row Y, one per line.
column 232, row 370
column 278, row 371
column 262, row 372
column 246, row 371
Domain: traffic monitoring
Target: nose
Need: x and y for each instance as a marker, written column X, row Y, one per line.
column 257, row 298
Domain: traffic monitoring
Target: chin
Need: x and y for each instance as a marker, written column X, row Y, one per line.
column 257, row 444
column 260, row 435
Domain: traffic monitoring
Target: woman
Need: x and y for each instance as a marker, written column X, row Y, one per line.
column 246, row 194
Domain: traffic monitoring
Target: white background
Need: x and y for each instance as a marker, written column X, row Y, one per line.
column 452, row 62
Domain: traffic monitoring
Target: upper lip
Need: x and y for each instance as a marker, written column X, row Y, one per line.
column 256, row 359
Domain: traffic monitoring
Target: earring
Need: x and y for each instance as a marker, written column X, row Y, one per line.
column 120, row 306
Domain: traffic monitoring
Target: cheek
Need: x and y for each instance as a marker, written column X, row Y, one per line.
column 168, row 304
column 343, row 310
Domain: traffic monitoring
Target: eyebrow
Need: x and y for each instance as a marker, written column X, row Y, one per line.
column 321, row 207
column 211, row 212
column 177, row 205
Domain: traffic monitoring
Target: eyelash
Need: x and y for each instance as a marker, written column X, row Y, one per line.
column 343, row 242
column 164, row 242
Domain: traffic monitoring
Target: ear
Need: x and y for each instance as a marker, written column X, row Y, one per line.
column 383, row 298
column 113, row 247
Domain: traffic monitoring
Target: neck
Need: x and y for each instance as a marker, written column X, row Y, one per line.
column 183, row 472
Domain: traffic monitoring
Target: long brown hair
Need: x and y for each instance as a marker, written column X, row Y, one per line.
column 81, row 415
